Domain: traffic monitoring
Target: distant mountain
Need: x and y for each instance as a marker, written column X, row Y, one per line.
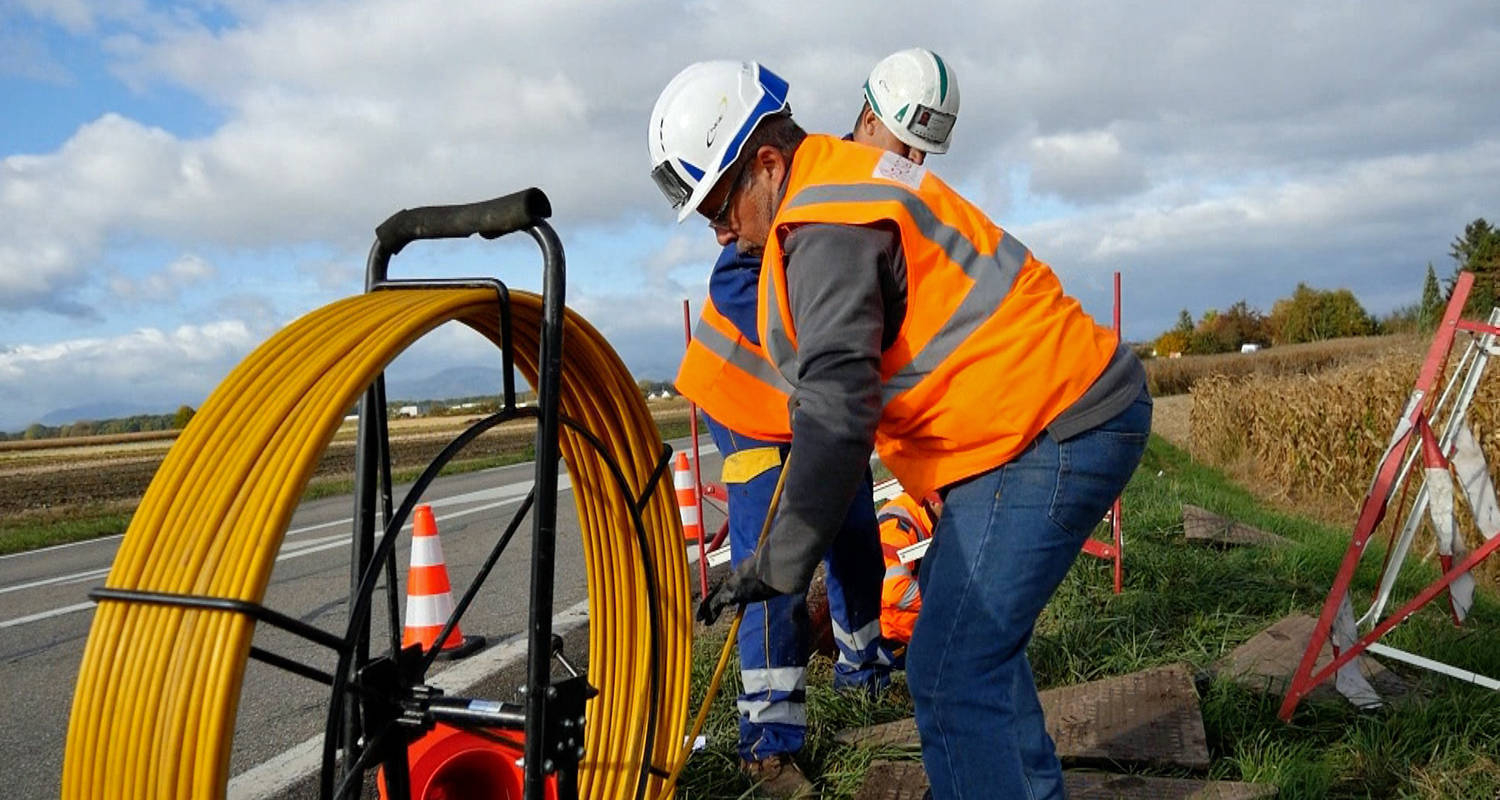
column 104, row 409
column 447, row 384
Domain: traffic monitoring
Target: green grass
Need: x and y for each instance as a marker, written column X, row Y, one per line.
column 91, row 522
column 1183, row 603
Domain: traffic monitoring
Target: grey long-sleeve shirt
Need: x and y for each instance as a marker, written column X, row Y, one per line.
column 847, row 289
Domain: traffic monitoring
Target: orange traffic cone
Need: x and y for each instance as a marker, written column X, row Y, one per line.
column 687, row 499
column 429, row 598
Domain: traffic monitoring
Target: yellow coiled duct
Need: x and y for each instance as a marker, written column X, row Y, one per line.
column 153, row 712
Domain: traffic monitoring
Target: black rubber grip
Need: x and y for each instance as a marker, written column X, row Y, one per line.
column 489, row 218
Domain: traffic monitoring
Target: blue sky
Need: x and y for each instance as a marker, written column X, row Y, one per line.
column 178, row 180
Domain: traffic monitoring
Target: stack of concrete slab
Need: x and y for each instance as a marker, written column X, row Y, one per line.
column 1147, row 718
column 905, row 780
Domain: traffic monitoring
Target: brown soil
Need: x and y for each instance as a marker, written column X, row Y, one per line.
column 1170, row 419
column 119, row 472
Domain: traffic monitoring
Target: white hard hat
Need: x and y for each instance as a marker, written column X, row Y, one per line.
column 916, row 96
column 700, row 123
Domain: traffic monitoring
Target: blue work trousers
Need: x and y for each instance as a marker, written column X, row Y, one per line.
column 774, row 634
column 1005, row 540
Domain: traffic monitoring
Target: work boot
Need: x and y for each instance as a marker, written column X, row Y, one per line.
column 779, row 777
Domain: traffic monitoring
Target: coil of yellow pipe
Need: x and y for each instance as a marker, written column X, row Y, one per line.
column 154, row 708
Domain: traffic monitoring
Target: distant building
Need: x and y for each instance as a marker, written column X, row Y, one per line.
column 408, row 411
column 1249, row 347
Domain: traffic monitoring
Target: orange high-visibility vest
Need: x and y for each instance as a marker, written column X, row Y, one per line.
column 903, row 523
column 730, row 378
column 990, row 351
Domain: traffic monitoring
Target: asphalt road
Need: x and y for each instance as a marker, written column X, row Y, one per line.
column 45, row 616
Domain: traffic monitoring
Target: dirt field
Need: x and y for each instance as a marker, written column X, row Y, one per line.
column 46, row 479
column 1169, row 418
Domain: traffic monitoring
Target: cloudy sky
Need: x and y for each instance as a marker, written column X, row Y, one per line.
column 181, row 179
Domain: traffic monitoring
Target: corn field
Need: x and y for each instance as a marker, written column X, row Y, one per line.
column 1317, row 437
column 1168, row 376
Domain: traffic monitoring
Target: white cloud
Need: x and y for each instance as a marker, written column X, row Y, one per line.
column 164, row 285
column 76, row 16
column 1085, row 166
column 1206, row 150
column 28, row 58
column 147, row 366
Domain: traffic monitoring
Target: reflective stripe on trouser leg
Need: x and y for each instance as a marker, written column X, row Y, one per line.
column 773, row 638
column 856, row 569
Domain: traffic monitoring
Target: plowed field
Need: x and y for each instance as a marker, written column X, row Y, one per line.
column 77, row 474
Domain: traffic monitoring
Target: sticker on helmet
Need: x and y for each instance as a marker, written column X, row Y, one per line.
column 932, row 125
column 713, row 130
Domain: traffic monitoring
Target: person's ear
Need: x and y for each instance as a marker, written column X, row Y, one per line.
column 868, row 120
column 770, row 163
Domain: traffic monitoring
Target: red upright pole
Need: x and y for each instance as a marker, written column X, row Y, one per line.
column 1115, row 512
column 687, row 335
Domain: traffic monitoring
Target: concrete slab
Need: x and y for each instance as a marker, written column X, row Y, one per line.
column 901, row 734
column 1204, row 526
column 1099, row 786
column 905, row 780
column 893, row 780
column 1148, row 717
column 1267, row 661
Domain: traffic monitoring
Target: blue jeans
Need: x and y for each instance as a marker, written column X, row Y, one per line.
column 774, row 638
column 1004, row 542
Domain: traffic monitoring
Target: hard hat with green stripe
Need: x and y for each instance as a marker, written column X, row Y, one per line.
column 915, row 94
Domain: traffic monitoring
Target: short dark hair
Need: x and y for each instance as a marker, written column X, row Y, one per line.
column 778, row 130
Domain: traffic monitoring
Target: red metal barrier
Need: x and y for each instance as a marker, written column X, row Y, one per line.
column 1412, row 430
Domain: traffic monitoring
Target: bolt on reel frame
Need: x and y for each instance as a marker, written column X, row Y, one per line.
column 167, row 650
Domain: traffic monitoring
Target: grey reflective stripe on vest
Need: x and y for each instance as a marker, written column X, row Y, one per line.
column 731, row 351
column 897, row 512
column 993, row 276
column 778, row 345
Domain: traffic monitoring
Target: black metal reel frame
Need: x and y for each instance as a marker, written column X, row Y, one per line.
column 395, row 706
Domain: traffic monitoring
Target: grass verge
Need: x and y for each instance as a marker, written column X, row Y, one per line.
column 1183, row 603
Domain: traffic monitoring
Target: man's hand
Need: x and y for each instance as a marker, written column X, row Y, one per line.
column 739, row 588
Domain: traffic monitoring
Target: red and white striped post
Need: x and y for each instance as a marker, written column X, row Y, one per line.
column 697, row 478
column 1114, row 512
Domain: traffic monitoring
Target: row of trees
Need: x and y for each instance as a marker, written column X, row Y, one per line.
column 1310, row 314
column 177, row 420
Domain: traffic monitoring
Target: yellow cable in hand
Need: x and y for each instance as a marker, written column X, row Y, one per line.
column 729, row 641
column 154, row 708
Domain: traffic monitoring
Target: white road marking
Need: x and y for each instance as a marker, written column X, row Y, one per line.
column 501, row 496
column 56, row 612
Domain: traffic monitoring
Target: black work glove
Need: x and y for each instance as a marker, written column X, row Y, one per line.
column 740, row 587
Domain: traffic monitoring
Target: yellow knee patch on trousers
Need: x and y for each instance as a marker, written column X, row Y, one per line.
column 743, row 466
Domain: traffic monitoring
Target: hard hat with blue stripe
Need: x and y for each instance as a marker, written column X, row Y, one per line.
column 700, row 124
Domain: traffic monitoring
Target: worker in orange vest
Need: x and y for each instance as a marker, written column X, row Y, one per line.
column 903, row 522
column 725, row 372
column 907, row 320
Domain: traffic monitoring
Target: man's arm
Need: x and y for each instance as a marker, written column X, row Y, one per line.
column 846, row 287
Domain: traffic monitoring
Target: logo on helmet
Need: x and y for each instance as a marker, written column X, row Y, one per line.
column 713, row 130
